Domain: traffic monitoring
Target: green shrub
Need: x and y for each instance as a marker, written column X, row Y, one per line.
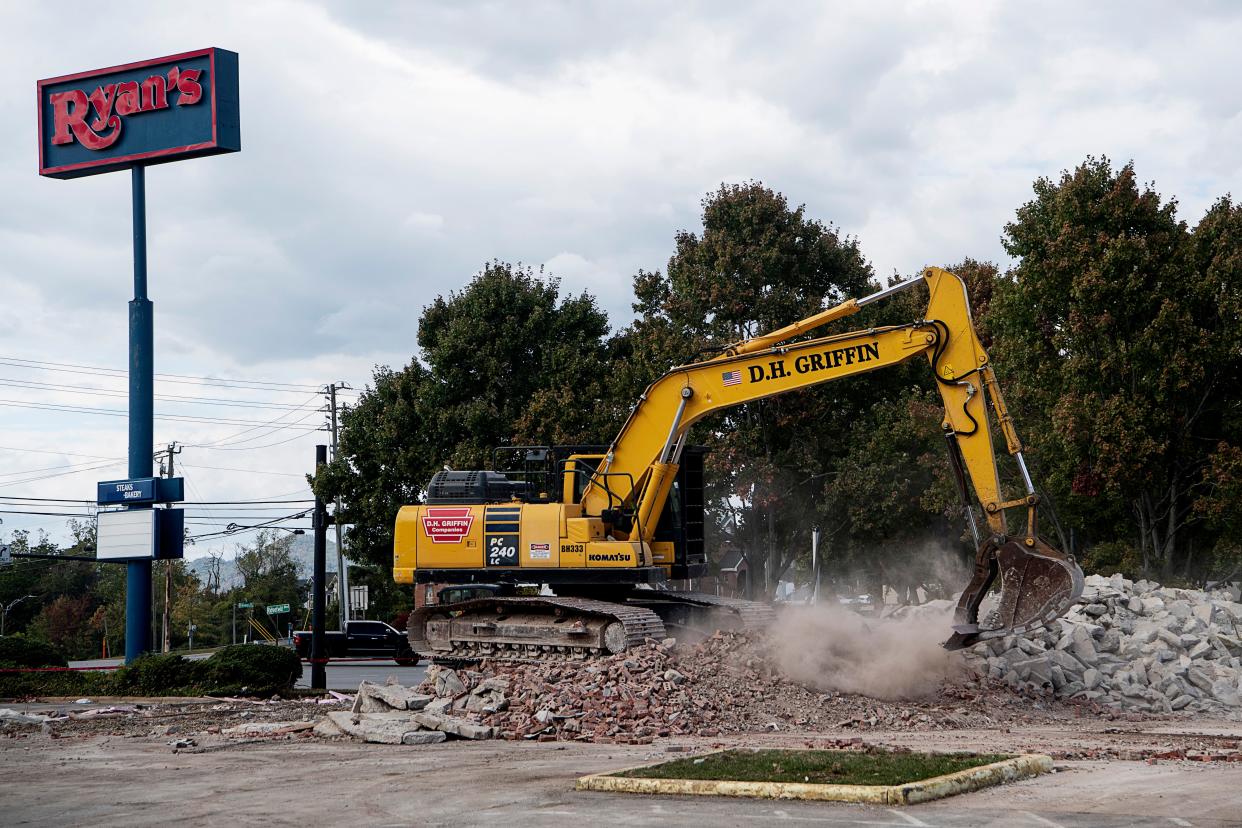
column 1113, row 556
column 74, row 683
column 160, row 675
column 259, row 669
column 18, row 651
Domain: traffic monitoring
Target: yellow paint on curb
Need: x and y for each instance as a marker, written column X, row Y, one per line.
column 911, row 793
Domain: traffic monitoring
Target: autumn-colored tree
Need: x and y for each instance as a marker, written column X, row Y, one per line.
column 505, row 361
column 757, row 265
column 1118, row 332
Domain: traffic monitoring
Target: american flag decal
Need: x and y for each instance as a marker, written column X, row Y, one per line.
column 731, row 378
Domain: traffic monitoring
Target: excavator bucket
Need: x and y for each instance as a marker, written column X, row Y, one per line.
column 1037, row 585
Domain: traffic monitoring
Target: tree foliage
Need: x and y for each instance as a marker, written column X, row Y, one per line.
column 506, row 361
column 758, row 265
column 1117, row 333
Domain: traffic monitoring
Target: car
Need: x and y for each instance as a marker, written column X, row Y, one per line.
column 360, row 638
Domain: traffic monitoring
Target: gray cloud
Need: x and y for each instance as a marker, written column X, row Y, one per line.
column 389, row 150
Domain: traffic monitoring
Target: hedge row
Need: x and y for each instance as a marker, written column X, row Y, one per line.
column 242, row 669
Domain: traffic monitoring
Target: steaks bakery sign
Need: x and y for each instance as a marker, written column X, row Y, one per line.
column 149, row 112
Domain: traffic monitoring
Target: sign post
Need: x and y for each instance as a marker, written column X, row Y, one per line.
column 126, row 117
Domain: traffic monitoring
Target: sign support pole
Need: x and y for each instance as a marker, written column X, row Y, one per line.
column 141, row 420
column 319, row 670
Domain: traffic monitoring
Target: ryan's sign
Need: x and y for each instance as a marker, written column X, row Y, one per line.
column 166, row 109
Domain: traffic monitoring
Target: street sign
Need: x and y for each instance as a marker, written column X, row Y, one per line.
column 148, row 112
column 141, row 490
column 277, row 609
column 359, row 597
column 245, row 605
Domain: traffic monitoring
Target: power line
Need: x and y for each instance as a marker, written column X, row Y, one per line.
column 274, row 425
column 254, row 448
column 265, row 525
column 96, row 391
column 63, row 453
column 113, row 412
column 119, row 459
column 98, row 370
column 247, row 471
column 61, row 474
column 7, row 498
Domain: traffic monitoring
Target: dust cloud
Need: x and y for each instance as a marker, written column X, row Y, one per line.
column 827, row 647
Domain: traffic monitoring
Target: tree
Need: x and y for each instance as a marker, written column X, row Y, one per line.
column 506, row 361
column 758, row 265
column 1118, row 330
column 270, row 573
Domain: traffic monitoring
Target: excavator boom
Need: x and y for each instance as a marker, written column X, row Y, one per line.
column 1037, row 582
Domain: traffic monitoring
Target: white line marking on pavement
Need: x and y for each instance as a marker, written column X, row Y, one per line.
column 1180, row 821
column 908, row 819
column 1042, row 821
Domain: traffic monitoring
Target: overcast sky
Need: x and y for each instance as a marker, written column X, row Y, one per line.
column 388, row 150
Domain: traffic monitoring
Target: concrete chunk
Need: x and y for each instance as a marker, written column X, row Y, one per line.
column 328, row 729
column 423, row 737
column 453, row 725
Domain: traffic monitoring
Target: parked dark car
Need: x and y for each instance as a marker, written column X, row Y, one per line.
column 361, row 638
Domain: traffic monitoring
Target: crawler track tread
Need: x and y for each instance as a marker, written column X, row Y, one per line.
column 640, row 624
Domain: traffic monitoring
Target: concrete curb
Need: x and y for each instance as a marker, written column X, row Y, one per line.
column 1019, row 767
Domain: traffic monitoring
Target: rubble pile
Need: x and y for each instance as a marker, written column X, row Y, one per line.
column 721, row 685
column 1131, row 646
column 394, row 715
column 631, row 697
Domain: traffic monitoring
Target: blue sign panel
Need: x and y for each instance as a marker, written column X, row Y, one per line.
column 170, row 544
column 149, row 112
column 141, row 490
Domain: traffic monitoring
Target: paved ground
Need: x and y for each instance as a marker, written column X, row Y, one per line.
column 134, row 782
column 349, row 675
column 344, row 676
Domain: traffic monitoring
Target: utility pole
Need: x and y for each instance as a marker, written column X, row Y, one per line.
column 167, row 471
column 319, row 670
column 342, row 569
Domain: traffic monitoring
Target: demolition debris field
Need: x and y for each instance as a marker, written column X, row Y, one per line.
column 1138, row 677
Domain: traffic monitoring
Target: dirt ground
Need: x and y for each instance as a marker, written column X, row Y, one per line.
column 122, row 770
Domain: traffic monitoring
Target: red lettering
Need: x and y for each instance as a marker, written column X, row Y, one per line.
column 127, row 98
column 71, row 110
column 102, row 99
column 66, row 120
column 189, row 87
column 154, row 93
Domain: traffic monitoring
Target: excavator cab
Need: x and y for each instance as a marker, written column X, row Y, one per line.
column 678, row 541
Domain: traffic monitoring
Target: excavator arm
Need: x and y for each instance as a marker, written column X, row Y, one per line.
column 1038, row 583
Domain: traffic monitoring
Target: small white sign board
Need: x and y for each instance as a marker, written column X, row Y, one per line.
column 126, row 535
column 359, row 597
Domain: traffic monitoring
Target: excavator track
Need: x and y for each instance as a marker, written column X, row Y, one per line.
column 704, row 612
column 545, row 628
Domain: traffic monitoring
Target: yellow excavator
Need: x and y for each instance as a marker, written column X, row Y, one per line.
column 606, row 527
